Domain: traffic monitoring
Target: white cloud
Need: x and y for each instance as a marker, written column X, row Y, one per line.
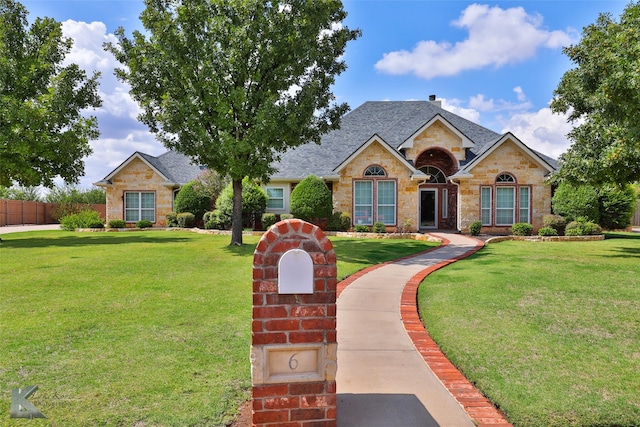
column 540, row 130
column 455, row 106
column 120, row 132
column 496, row 37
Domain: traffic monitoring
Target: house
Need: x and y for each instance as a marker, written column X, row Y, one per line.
column 395, row 162
column 144, row 186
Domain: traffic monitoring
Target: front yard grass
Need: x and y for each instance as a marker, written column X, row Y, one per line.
column 136, row 329
column 550, row 332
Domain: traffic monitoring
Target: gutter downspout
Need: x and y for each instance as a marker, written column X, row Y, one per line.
column 458, row 205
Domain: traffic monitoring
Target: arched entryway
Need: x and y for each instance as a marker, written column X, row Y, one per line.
column 438, row 196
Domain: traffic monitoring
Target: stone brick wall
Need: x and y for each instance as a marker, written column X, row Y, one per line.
column 437, row 135
column 508, row 158
column 376, row 154
column 138, row 176
column 296, row 321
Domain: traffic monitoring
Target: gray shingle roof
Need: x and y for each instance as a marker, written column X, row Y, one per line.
column 393, row 121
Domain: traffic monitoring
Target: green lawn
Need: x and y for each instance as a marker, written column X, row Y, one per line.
column 136, row 329
column 550, row 332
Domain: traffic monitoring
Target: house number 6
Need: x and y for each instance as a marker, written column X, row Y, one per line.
column 293, row 362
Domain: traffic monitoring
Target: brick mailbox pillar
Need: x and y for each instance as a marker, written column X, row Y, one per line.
column 293, row 346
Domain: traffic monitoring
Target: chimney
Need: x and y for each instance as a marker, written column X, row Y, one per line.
column 432, row 99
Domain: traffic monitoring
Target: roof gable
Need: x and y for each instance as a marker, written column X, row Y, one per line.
column 368, row 143
column 438, row 118
column 174, row 168
column 489, row 148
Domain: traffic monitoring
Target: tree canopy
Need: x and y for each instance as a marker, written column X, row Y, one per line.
column 602, row 96
column 42, row 132
column 235, row 83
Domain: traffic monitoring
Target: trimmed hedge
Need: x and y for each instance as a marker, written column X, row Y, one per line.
column 311, row 200
column 521, row 229
column 475, row 227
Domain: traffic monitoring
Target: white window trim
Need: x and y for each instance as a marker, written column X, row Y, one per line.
column 513, row 208
column 285, row 198
column 490, row 208
column 355, row 206
column 139, row 209
column 528, row 207
column 445, row 203
column 394, row 205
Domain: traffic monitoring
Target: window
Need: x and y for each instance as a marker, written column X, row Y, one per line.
column 375, row 171
column 485, row 205
column 363, row 202
column 276, row 198
column 445, row 203
column 139, row 206
column 505, row 177
column 524, row 205
column 505, row 205
column 387, row 202
column 435, row 175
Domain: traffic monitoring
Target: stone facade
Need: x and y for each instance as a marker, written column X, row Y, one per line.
column 510, row 159
column 138, row 176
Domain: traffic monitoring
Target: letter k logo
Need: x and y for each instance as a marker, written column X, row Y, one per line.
column 21, row 407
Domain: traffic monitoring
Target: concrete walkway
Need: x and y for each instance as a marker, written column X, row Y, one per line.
column 384, row 375
column 27, row 227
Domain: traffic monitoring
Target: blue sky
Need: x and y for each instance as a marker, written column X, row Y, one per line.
column 496, row 63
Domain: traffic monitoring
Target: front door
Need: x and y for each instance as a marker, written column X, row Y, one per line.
column 428, row 208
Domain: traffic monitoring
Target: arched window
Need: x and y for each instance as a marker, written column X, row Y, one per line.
column 505, row 178
column 434, row 175
column 375, row 170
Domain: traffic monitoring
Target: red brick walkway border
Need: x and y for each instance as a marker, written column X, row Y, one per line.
column 474, row 403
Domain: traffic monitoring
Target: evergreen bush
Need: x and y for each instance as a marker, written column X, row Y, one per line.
column 572, row 201
column 556, row 222
column 254, row 203
column 475, row 227
column 186, row 220
column 268, row 219
column 311, row 200
column 547, row 231
column 521, row 229
column 339, row 221
column 379, row 227
column 144, row 223
column 361, row 228
column 172, row 219
column 117, row 223
column 83, row 219
column 617, row 206
column 190, row 200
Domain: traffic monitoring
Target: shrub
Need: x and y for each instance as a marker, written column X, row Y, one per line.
column 311, row 200
column 475, row 227
column 117, row 223
column 582, row 227
column 216, row 221
column 617, row 206
column 379, row 227
column 361, row 228
column 83, row 219
column 268, row 219
column 172, row 219
column 547, row 231
column 521, row 229
column 572, row 202
column 254, row 202
column 339, row 221
column 144, row 223
column 192, row 201
column 286, row 216
column 556, row 222
column 186, row 220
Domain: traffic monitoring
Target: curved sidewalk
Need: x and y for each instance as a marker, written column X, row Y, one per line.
column 390, row 372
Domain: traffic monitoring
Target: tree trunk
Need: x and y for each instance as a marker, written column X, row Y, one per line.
column 236, row 219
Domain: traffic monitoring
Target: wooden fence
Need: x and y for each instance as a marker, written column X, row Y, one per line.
column 636, row 217
column 17, row 212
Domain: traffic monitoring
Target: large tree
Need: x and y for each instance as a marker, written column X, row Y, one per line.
column 602, row 96
column 42, row 132
column 235, row 83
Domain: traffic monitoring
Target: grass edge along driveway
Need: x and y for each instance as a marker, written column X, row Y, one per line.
column 550, row 332
column 136, row 329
